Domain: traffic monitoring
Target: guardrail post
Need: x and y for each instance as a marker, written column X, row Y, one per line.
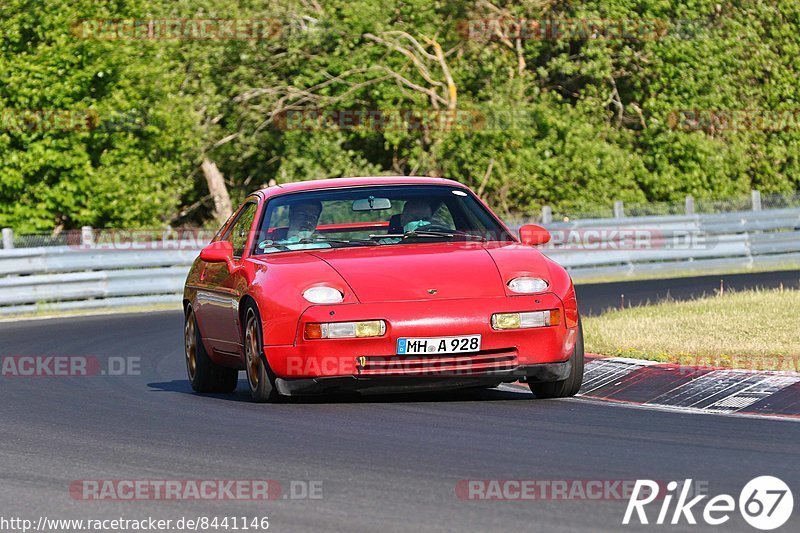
column 8, row 238
column 619, row 209
column 547, row 214
column 87, row 236
column 756, row 199
column 689, row 205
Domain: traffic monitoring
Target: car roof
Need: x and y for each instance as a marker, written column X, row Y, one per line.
column 334, row 183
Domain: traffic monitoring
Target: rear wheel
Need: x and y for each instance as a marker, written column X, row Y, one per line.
column 565, row 387
column 259, row 375
column 204, row 374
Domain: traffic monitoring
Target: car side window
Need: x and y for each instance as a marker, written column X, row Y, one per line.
column 240, row 229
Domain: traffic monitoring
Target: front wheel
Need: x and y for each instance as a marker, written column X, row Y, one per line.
column 259, row 375
column 204, row 374
column 565, row 387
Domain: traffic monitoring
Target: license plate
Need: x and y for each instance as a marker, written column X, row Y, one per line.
column 438, row 345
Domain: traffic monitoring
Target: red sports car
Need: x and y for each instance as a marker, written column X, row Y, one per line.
column 378, row 284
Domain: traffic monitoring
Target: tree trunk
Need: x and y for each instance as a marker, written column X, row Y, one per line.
column 218, row 190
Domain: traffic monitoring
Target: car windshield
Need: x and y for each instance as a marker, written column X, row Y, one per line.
column 375, row 216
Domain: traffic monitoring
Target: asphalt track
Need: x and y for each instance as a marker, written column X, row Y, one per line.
column 385, row 463
column 597, row 297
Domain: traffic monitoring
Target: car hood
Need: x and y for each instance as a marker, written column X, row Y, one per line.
column 452, row 270
column 417, row 272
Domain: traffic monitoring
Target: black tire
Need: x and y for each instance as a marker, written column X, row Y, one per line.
column 260, row 378
column 204, row 374
column 566, row 387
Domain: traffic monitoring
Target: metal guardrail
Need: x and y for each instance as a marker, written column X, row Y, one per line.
column 57, row 259
column 79, row 277
column 87, row 275
column 15, row 290
column 627, row 246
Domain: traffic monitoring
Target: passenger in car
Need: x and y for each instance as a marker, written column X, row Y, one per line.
column 303, row 219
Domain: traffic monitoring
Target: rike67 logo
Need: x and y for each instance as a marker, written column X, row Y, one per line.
column 765, row 503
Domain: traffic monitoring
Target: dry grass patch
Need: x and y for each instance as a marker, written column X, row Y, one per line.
column 748, row 329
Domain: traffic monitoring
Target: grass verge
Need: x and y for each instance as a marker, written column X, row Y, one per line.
column 749, row 329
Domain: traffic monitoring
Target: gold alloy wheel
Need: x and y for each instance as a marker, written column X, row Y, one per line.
column 253, row 353
column 190, row 345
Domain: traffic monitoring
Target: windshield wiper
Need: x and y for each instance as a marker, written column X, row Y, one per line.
column 311, row 240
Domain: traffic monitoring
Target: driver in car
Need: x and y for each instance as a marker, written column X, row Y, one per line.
column 417, row 212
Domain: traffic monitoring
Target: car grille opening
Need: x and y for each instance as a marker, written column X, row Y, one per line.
column 483, row 362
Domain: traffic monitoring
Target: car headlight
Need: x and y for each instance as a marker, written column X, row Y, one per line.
column 529, row 319
column 527, row 285
column 345, row 330
column 323, row 295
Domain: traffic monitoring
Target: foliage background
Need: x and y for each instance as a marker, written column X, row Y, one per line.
column 598, row 114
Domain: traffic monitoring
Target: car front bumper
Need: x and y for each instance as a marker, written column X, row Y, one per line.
column 505, row 355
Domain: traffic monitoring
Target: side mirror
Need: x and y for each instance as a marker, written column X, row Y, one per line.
column 533, row 235
column 218, row 252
